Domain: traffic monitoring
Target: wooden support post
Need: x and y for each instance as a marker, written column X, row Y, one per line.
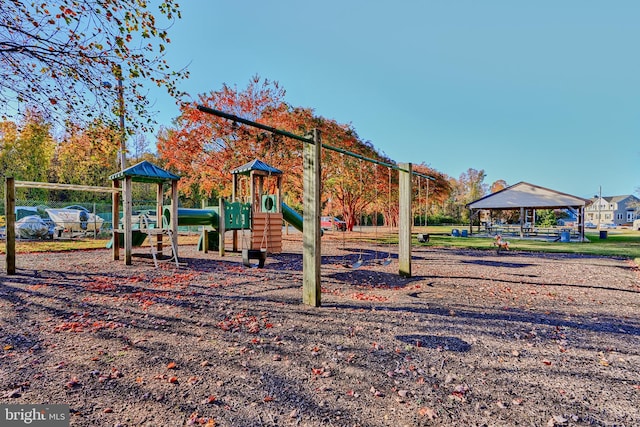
column 522, row 219
column 10, row 217
column 205, row 231
column 159, row 222
column 174, row 217
column 581, row 223
column 404, row 220
column 222, row 215
column 115, row 220
column 311, row 253
column 234, row 237
column 126, row 210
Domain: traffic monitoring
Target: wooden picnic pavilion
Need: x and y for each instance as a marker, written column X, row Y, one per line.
column 527, row 198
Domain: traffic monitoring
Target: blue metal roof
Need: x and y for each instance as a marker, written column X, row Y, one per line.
column 256, row 165
column 145, row 172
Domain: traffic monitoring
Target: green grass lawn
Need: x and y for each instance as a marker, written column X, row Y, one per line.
column 623, row 243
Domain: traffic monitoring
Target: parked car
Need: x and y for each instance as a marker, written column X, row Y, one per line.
column 589, row 225
column 607, row 225
column 329, row 223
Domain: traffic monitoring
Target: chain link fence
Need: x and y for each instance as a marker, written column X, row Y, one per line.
column 37, row 219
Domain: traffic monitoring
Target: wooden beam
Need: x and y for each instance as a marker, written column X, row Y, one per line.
column 174, row 216
column 159, row 213
column 404, row 220
column 55, row 186
column 311, row 251
column 126, row 211
column 10, row 216
column 115, row 220
column 222, row 215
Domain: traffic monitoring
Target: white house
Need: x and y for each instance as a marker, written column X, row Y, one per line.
column 613, row 210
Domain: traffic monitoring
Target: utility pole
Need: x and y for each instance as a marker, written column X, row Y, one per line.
column 123, row 132
column 123, row 141
column 599, row 205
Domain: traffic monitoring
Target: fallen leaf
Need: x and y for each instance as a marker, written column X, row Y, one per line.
column 268, row 399
column 557, row 420
column 376, row 393
column 173, row 380
column 546, row 362
column 73, row 382
column 107, row 410
column 171, row 365
column 427, row 412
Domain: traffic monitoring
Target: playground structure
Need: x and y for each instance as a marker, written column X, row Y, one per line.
column 311, row 256
column 261, row 216
column 125, row 235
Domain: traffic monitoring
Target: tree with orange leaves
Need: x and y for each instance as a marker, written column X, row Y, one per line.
column 203, row 148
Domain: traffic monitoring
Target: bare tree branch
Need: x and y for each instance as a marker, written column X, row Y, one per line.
column 55, row 55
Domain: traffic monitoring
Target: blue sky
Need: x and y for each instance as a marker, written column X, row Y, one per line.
column 546, row 92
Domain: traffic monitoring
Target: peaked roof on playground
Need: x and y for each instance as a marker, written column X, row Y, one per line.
column 256, row 165
column 525, row 195
column 145, row 172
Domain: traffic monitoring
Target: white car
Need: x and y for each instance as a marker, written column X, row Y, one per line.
column 607, row 225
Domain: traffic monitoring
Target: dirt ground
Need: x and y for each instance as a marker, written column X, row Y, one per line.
column 472, row 339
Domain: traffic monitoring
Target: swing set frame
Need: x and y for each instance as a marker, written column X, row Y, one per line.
column 311, row 256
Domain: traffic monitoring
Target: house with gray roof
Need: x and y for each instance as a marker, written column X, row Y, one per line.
column 613, row 210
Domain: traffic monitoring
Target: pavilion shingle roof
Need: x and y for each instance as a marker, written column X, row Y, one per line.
column 525, row 195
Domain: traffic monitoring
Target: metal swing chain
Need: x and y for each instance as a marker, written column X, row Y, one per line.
column 388, row 260
column 267, row 223
column 360, row 260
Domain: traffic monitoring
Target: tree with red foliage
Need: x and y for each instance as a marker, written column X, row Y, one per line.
column 204, row 148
